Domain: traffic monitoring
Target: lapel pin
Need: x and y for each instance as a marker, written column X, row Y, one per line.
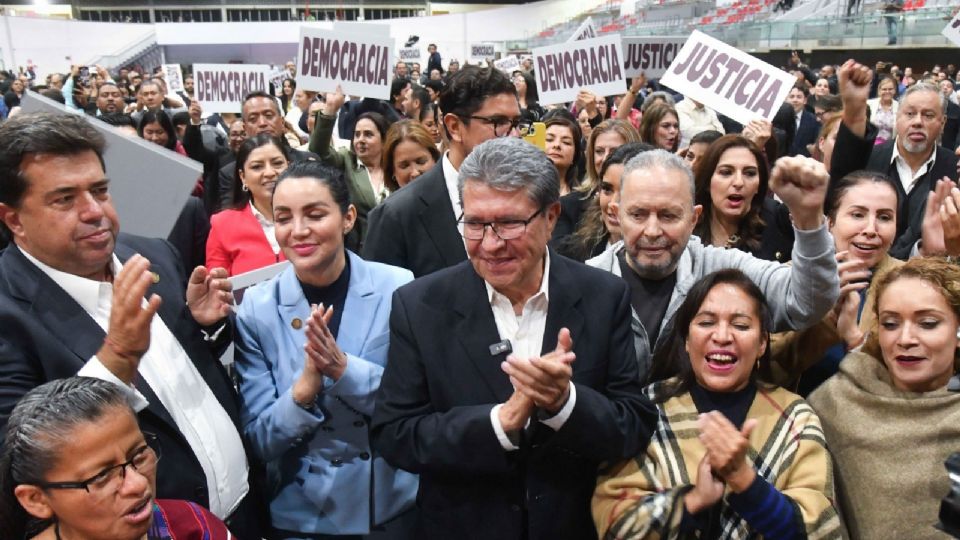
column 296, row 323
column 156, row 277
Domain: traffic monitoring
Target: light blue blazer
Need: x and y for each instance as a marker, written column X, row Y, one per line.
column 319, row 462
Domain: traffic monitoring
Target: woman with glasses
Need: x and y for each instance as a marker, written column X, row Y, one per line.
column 75, row 465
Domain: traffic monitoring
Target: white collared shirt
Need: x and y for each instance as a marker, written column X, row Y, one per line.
column 269, row 229
column 907, row 176
column 450, row 178
column 525, row 332
column 174, row 378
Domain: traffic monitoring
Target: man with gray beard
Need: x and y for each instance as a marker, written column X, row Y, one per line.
column 914, row 159
column 660, row 259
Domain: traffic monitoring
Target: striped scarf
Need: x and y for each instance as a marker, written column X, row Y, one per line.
column 643, row 497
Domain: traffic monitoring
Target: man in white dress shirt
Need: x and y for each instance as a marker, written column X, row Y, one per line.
column 77, row 298
column 510, row 376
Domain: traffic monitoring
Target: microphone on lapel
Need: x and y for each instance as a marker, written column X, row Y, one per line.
column 501, row 347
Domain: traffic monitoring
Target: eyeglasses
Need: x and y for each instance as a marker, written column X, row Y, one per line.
column 502, row 126
column 509, row 229
column 108, row 481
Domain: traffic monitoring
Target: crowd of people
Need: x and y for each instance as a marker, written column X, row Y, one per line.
column 620, row 317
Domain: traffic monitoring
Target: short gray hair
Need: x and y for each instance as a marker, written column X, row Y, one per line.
column 926, row 87
column 39, row 426
column 660, row 159
column 511, row 164
column 653, row 96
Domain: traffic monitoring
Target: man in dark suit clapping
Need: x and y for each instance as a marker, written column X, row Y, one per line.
column 511, row 376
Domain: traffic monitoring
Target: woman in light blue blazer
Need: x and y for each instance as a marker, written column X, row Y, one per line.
column 311, row 347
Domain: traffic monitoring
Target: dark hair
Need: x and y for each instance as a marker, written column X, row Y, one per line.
column 54, row 94
column 651, row 120
column 324, row 174
column 149, row 117
column 839, row 189
column 41, row 423
column 671, row 360
column 397, row 86
column 470, row 87
column 436, row 86
column 181, row 118
column 41, row 132
column 572, row 178
column 421, row 96
column 532, row 95
column 240, row 197
column 150, row 82
column 118, row 119
column 829, row 103
column 260, row 94
column 708, row 136
column 750, row 228
column 801, row 87
column 378, row 120
column 592, row 230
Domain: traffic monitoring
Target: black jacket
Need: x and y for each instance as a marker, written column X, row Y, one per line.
column 415, row 227
column 432, row 414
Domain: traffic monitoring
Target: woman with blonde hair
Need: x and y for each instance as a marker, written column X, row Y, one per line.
column 892, row 412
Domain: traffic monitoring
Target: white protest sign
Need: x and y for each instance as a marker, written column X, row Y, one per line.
column 507, row 64
column 241, row 282
column 174, row 77
column 650, row 55
column 359, row 63
column 592, row 64
column 410, row 54
column 952, row 30
column 222, row 87
column 728, row 80
column 584, row 31
column 482, row 51
column 276, row 78
column 149, row 185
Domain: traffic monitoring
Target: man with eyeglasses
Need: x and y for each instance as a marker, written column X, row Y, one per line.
column 914, row 159
column 511, row 376
column 416, row 227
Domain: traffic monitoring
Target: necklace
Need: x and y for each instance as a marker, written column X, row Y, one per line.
column 732, row 241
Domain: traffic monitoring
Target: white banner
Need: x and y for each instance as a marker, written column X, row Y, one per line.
column 276, row 78
column 410, row 54
column 593, row 64
column 650, row 55
column 174, row 77
column 149, row 185
column 482, row 51
column 360, row 64
column 952, row 30
column 508, row 64
column 584, row 31
column 728, row 80
column 222, row 87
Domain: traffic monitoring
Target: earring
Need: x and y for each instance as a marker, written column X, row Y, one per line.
column 958, row 332
column 245, row 188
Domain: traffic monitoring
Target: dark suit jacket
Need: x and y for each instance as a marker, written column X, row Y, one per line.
column 806, row 134
column 432, row 415
column 189, row 234
column 415, row 228
column 951, row 128
column 46, row 335
column 851, row 153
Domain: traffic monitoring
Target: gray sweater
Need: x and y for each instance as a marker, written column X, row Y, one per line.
column 799, row 294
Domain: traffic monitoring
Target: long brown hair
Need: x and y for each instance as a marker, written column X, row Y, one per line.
column 750, row 228
column 651, row 120
column 621, row 127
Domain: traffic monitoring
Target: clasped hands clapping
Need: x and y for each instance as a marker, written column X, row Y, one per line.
column 542, row 382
